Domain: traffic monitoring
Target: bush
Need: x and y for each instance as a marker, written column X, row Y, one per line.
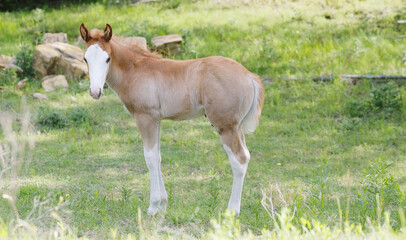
column 380, row 190
column 384, row 100
column 16, row 5
column 78, row 116
column 8, row 76
column 387, row 98
column 24, row 60
column 51, row 118
column 358, row 108
column 13, row 5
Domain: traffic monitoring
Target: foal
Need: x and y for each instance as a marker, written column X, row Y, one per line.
column 152, row 89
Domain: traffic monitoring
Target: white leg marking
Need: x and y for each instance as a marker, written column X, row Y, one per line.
column 239, row 171
column 158, row 196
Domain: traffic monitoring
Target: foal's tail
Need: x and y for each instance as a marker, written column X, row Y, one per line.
column 250, row 120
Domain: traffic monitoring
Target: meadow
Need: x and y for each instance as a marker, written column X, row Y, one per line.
column 327, row 159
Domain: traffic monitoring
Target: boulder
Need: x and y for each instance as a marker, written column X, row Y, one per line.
column 50, row 83
column 21, row 84
column 9, row 59
column 40, row 96
column 168, row 43
column 55, row 37
column 139, row 41
column 8, row 62
column 79, row 41
column 59, row 58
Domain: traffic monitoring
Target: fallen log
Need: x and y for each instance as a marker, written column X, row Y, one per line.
column 354, row 79
column 350, row 78
column 373, row 76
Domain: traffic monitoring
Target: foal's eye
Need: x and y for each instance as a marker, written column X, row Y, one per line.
column 108, row 60
column 85, row 60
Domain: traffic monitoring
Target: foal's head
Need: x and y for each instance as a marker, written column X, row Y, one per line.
column 97, row 57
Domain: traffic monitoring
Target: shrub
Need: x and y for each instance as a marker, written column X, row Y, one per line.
column 358, row 108
column 54, row 118
column 51, row 118
column 8, row 76
column 13, row 5
column 380, row 190
column 24, row 60
column 383, row 100
column 387, row 98
column 78, row 116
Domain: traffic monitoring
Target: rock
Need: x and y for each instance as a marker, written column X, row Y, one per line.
column 50, row 83
column 9, row 59
column 169, row 43
column 59, row 58
column 40, row 96
column 21, row 84
column 8, row 62
column 79, row 41
column 55, row 37
column 139, row 41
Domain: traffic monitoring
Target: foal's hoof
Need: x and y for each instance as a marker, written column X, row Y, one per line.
column 235, row 210
column 154, row 208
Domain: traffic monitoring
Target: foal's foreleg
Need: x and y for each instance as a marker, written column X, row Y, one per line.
column 238, row 155
column 149, row 128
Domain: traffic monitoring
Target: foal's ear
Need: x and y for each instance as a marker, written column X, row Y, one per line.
column 108, row 33
column 84, row 33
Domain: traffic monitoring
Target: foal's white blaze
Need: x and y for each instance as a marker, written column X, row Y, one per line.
column 98, row 62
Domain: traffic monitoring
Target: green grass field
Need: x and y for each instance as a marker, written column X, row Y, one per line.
column 330, row 152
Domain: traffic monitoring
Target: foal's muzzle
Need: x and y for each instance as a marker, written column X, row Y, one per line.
column 95, row 95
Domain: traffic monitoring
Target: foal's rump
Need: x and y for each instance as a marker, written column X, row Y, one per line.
column 231, row 95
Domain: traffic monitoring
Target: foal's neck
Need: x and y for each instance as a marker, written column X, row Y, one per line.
column 123, row 62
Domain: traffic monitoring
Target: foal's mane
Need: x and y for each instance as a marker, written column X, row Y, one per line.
column 97, row 34
column 135, row 48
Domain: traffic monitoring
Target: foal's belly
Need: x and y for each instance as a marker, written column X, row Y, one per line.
column 179, row 114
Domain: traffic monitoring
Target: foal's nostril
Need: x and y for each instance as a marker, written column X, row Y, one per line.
column 95, row 95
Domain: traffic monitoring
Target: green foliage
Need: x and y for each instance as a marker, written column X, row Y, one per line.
column 387, row 98
column 173, row 4
column 358, row 108
column 79, row 116
column 380, row 190
column 13, row 5
column 51, row 118
column 24, row 59
column 8, row 76
column 383, row 100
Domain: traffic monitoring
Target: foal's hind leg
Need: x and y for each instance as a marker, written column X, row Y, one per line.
column 238, row 155
column 149, row 128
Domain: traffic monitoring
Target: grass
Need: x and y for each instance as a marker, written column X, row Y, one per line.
column 310, row 154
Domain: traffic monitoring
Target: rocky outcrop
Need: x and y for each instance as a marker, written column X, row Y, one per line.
column 21, row 84
column 55, row 37
column 59, row 58
column 40, row 96
column 8, row 62
column 50, row 83
column 139, row 41
column 168, row 43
